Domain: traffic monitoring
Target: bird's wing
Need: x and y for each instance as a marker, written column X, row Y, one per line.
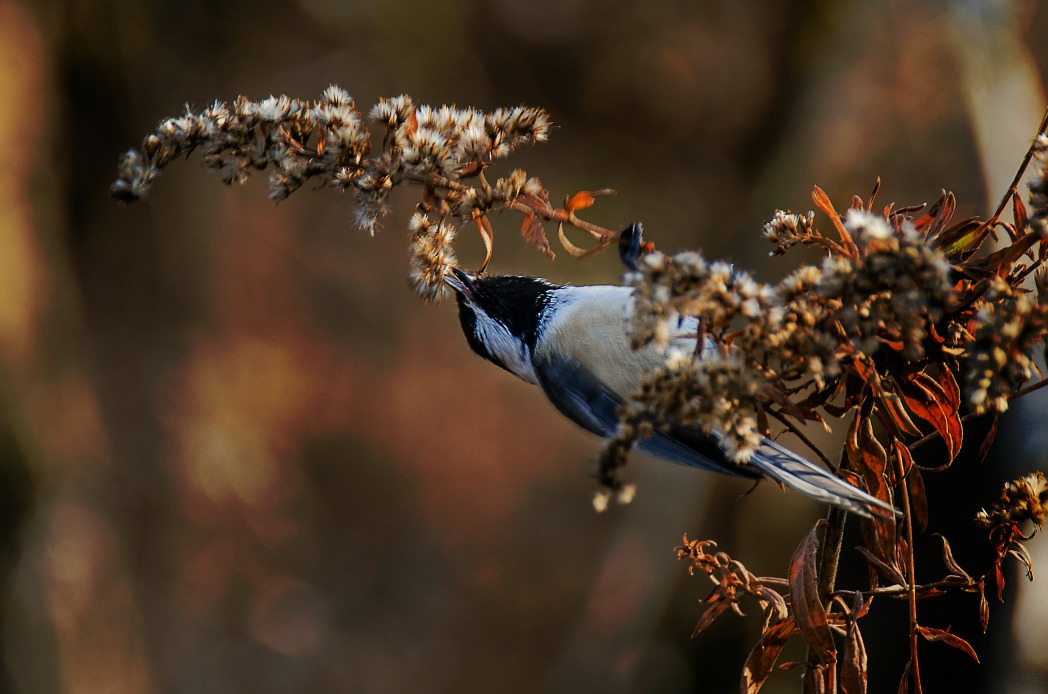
column 585, row 400
column 806, row 477
column 579, row 396
column 690, row 446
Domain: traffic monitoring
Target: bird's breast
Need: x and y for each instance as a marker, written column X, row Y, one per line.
column 590, row 326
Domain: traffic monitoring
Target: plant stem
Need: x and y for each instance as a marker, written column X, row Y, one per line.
column 832, row 540
column 804, row 439
column 1029, row 389
column 911, row 576
column 1019, row 174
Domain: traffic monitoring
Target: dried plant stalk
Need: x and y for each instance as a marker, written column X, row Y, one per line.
column 908, row 320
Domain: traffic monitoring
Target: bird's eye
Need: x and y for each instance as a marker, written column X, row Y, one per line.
column 632, row 245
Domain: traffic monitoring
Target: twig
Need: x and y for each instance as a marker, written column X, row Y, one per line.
column 562, row 216
column 1029, row 389
column 1014, row 187
column 831, row 552
column 804, row 439
column 911, row 576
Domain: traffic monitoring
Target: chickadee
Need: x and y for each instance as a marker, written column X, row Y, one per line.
column 572, row 342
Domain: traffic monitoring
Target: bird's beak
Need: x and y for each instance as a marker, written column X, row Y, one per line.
column 460, row 281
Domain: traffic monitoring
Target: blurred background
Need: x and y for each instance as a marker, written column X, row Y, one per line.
column 238, row 454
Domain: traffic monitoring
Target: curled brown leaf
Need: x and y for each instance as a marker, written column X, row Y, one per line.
column 933, row 634
column 808, row 609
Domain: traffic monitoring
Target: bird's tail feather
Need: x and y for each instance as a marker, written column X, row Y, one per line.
column 795, row 472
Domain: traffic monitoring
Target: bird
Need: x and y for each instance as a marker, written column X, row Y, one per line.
column 573, row 342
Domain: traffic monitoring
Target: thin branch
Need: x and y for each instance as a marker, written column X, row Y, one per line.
column 911, row 575
column 804, row 439
column 1013, row 189
column 1029, row 389
column 561, row 216
column 831, row 552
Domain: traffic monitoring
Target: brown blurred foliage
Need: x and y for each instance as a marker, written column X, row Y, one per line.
column 240, row 455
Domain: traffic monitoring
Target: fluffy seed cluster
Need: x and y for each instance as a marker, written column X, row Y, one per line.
column 895, row 287
column 1039, row 187
column 444, row 150
column 432, row 255
column 791, row 340
column 243, row 136
column 445, row 139
column 787, row 229
column 718, row 393
column 686, row 284
column 1024, row 499
column 447, row 145
column 1009, row 324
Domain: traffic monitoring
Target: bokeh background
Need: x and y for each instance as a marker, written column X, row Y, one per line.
column 237, row 454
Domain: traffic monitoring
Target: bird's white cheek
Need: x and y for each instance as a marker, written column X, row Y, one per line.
column 507, row 349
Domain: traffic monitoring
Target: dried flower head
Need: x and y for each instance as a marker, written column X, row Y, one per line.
column 894, row 287
column 432, row 255
column 1006, row 327
column 716, row 393
column 1022, row 500
column 1039, row 186
column 667, row 288
column 787, row 229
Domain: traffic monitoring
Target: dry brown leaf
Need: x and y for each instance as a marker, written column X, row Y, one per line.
column 873, row 195
column 854, row 666
column 1000, row 261
column 951, row 564
column 537, row 202
column 761, row 659
column 487, row 234
column 984, row 448
column 918, row 498
column 571, row 248
column 905, row 458
column 932, row 634
column 898, row 420
column 808, row 609
column 984, row 607
column 868, row 457
column 718, row 607
column 939, row 214
column 937, row 403
column 579, row 201
column 532, row 232
column 1022, row 220
column 822, row 201
column 904, row 683
column 889, row 571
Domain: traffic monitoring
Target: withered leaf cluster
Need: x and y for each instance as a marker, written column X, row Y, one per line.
column 912, row 323
column 802, row 611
